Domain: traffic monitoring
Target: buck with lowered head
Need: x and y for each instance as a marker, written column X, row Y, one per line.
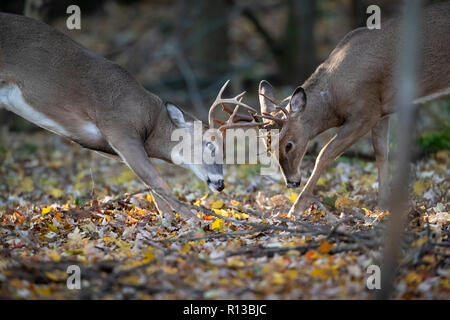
column 354, row 90
column 57, row 84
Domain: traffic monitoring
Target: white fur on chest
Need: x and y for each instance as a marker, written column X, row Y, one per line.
column 12, row 98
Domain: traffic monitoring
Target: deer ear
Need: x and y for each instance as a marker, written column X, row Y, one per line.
column 266, row 90
column 298, row 100
column 176, row 115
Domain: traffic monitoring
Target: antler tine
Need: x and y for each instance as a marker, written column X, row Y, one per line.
column 219, row 95
column 270, row 99
column 277, row 106
column 286, row 113
column 237, row 100
column 214, row 105
column 240, row 95
column 238, row 117
column 239, row 125
column 269, row 117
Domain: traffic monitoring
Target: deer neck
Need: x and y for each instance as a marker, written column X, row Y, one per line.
column 319, row 114
column 159, row 143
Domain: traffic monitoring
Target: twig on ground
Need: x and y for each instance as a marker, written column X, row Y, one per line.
column 255, row 252
column 214, row 236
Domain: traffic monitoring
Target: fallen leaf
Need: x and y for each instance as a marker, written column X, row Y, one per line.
column 217, row 225
column 421, row 186
column 325, row 247
column 217, row 204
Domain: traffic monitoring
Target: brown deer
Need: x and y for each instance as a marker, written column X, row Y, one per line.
column 57, row 84
column 354, row 90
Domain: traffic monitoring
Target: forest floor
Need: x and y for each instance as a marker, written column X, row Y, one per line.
column 61, row 205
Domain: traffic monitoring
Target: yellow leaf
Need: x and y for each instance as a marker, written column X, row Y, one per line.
column 109, row 239
column 54, row 256
column 429, row 258
column 292, row 274
column 278, row 278
column 267, row 268
column 185, row 248
column 217, row 204
column 199, row 201
column 217, row 225
column 445, row 283
column 235, row 203
column 420, row 186
column 56, row 275
column 293, row 197
column 170, row 270
column 148, row 255
column 345, row 203
column 235, row 262
column 319, row 273
column 325, row 247
column 419, row 242
column 237, row 282
column 413, row 278
column 46, row 210
column 43, row 291
column 221, row 212
column 53, row 227
column 149, row 198
column 322, row 182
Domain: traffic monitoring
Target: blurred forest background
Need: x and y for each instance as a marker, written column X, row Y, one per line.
column 62, row 205
column 184, row 50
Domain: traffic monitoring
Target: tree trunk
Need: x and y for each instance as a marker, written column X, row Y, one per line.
column 203, row 33
column 298, row 59
column 398, row 204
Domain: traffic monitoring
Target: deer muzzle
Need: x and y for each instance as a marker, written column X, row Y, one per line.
column 218, row 185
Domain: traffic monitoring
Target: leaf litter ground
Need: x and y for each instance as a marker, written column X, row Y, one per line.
column 62, row 205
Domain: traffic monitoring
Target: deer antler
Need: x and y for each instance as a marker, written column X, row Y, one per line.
column 235, row 118
column 283, row 121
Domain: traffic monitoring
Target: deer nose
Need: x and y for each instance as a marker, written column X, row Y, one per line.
column 291, row 184
column 220, row 185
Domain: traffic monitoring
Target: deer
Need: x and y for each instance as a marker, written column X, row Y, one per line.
column 354, row 90
column 57, row 84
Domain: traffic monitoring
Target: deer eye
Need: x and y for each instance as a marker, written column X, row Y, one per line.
column 211, row 147
column 289, row 146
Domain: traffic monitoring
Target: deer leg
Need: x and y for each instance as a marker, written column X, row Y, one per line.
column 134, row 155
column 349, row 134
column 380, row 142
